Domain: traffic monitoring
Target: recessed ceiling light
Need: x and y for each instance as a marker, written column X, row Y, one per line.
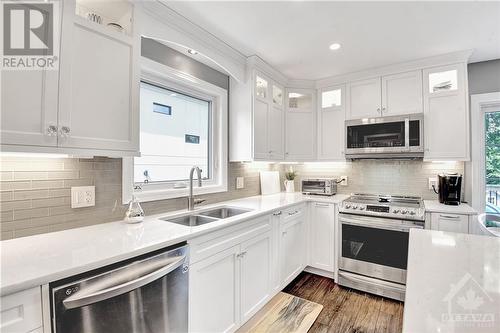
column 193, row 52
column 335, row 46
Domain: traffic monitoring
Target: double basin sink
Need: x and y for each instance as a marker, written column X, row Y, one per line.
column 204, row 217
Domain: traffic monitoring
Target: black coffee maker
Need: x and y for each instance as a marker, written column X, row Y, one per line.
column 450, row 187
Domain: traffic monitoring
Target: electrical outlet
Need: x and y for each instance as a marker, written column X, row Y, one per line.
column 433, row 181
column 82, row 196
column 240, row 182
column 344, row 182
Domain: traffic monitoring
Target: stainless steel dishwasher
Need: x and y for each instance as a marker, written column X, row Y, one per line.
column 147, row 294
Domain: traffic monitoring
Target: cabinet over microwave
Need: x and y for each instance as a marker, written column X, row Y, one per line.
column 397, row 137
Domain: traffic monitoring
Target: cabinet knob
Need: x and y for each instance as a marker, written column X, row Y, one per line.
column 65, row 130
column 378, row 109
column 52, row 130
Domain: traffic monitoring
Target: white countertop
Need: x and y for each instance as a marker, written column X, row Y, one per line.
column 434, row 206
column 30, row 261
column 453, row 283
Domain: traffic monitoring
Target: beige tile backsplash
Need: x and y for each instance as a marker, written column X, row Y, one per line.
column 35, row 192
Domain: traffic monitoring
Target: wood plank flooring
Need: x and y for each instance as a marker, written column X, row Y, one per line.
column 346, row 310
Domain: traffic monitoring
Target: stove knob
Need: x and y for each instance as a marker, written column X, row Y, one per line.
column 354, row 207
column 347, row 206
column 412, row 212
column 395, row 211
column 361, row 208
column 404, row 212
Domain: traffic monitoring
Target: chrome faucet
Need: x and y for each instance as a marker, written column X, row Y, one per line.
column 191, row 200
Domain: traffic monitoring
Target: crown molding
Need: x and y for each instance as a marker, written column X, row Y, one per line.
column 440, row 60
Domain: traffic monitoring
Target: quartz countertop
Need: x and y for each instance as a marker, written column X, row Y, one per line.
column 35, row 260
column 453, row 283
column 434, row 206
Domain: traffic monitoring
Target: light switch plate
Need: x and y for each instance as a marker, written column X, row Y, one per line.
column 82, row 196
column 240, row 182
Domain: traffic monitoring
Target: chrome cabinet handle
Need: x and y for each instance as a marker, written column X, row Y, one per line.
column 284, row 233
column 65, row 131
column 293, row 213
column 241, row 254
column 52, row 130
column 277, row 213
column 378, row 110
column 318, row 204
column 92, row 293
column 449, row 217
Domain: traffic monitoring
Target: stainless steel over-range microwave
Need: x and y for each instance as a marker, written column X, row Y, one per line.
column 385, row 137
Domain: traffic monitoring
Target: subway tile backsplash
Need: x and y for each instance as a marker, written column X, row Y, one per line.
column 35, row 192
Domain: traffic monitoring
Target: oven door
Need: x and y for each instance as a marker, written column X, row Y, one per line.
column 385, row 135
column 374, row 246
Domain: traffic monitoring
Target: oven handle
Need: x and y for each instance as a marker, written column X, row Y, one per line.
column 404, row 228
column 106, row 287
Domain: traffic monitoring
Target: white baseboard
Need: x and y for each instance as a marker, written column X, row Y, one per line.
column 320, row 272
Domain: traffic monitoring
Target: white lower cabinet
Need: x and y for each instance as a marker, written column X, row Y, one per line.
column 255, row 274
column 227, row 288
column 322, row 236
column 292, row 245
column 214, row 286
column 450, row 222
column 21, row 312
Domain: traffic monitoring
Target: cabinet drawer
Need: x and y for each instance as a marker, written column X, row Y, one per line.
column 293, row 213
column 212, row 243
column 21, row 312
column 450, row 222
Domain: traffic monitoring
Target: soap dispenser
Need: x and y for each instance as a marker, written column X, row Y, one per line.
column 134, row 213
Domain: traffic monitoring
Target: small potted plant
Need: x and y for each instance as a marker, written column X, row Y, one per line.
column 289, row 180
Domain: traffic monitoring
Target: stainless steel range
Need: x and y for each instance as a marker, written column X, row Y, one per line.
column 374, row 232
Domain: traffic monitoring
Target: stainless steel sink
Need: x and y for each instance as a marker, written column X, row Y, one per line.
column 225, row 212
column 191, row 220
column 207, row 216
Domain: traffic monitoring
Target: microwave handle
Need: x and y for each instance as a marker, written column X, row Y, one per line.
column 407, row 133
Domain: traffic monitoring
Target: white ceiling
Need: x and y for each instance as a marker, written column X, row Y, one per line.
column 293, row 36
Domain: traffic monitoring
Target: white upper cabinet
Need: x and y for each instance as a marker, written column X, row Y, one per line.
column 389, row 95
column 268, row 131
column 300, row 125
column 99, row 91
column 331, row 119
column 402, row 93
column 29, row 107
column 446, row 116
column 364, row 99
column 90, row 105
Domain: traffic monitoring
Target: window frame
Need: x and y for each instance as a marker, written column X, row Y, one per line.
column 166, row 77
column 480, row 105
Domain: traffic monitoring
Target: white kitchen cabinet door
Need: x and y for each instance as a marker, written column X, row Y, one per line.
column 322, row 236
column 331, row 124
column 99, row 91
column 300, row 125
column 275, row 134
column 21, row 312
column 261, row 125
column 214, row 294
column 446, row 116
column 402, row 93
column 256, row 255
column 29, row 107
column 292, row 248
column 450, row 222
column 364, row 99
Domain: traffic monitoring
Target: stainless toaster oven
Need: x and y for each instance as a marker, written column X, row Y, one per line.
column 322, row 186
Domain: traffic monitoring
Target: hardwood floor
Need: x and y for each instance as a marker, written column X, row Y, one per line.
column 346, row 310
